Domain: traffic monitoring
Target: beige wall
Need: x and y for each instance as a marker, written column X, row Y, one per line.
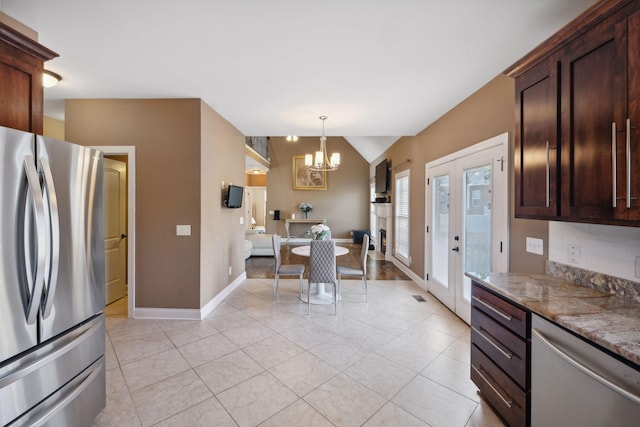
column 252, row 180
column 347, row 187
column 53, row 128
column 487, row 113
column 166, row 134
column 222, row 243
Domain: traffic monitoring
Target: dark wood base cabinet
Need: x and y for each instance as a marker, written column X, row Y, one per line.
column 500, row 354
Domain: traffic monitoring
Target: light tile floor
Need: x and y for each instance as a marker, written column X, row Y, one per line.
column 393, row 361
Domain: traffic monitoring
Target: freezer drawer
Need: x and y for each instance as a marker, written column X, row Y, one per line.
column 574, row 383
column 75, row 404
column 38, row 374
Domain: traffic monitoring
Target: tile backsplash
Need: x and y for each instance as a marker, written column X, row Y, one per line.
column 598, row 256
column 604, row 249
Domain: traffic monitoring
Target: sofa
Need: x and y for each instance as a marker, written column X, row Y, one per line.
column 261, row 243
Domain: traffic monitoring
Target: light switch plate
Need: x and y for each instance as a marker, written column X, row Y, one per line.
column 535, row 246
column 183, row 230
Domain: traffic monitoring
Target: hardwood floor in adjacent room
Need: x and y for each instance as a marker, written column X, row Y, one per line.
column 261, row 267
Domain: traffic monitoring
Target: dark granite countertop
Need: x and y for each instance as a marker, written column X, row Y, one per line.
column 608, row 320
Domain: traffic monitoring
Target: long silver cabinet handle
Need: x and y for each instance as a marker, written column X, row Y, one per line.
column 495, row 390
column 34, row 280
column 490, row 341
column 548, row 177
column 584, row 369
column 74, row 339
column 628, row 163
column 492, row 308
column 91, row 375
column 614, row 164
column 54, row 236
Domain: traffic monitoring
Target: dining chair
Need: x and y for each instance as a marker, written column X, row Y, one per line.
column 344, row 270
column 322, row 268
column 283, row 269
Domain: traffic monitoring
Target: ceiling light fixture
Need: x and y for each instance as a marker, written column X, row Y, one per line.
column 321, row 162
column 50, row 79
column 292, row 138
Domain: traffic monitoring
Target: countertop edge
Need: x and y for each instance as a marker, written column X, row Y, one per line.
column 584, row 325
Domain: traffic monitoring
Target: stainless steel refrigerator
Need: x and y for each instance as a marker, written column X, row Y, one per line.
column 52, row 333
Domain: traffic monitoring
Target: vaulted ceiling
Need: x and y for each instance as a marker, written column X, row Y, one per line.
column 379, row 69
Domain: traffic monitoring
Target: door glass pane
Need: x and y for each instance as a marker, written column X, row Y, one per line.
column 440, row 240
column 477, row 223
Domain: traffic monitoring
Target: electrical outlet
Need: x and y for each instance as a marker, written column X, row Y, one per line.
column 241, row 220
column 535, row 246
column 183, row 230
column 573, row 253
column 230, row 270
column 638, row 266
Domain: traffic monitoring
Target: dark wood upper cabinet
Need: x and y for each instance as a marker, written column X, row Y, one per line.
column 536, row 143
column 577, row 119
column 21, row 92
column 593, row 100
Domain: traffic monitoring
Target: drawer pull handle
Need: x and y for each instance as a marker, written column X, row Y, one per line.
column 490, row 341
column 507, row 402
column 507, row 317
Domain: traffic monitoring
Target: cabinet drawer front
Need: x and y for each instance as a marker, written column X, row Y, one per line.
column 512, row 317
column 506, row 349
column 509, row 400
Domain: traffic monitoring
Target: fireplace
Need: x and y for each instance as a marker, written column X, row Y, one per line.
column 383, row 223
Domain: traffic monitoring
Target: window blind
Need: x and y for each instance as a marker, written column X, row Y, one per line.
column 402, row 216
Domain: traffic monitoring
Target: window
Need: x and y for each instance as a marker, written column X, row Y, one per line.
column 402, row 216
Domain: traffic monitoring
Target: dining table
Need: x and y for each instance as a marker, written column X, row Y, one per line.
column 318, row 294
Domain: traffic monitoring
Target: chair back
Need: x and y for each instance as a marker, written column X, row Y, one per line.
column 276, row 252
column 363, row 253
column 322, row 261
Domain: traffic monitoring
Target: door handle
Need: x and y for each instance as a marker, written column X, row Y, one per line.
column 34, row 273
column 53, row 260
column 123, row 236
column 456, row 249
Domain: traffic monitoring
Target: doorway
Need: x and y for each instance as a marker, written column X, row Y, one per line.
column 128, row 155
column 115, row 227
column 467, row 216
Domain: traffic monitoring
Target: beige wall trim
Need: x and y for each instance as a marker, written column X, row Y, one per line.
column 189, row 313
column 130, row 152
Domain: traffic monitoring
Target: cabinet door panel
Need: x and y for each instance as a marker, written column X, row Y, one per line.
column 536, row 143
column 633, row 38
column 593, row 91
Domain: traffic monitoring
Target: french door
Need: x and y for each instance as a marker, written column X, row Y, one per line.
column 466, row 223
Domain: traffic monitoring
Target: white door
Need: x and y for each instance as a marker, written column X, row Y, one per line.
column 115, row 227
column 467, row 224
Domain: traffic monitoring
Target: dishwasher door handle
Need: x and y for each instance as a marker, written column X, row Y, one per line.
column 586, row 370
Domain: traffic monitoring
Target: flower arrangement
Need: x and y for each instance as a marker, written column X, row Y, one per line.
column 305, row 208
column 320, row 232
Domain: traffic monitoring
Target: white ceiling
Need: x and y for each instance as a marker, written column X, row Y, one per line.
column 379, row 69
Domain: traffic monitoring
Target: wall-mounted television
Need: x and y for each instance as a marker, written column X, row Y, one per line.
column 382, row 177
column 234, row 196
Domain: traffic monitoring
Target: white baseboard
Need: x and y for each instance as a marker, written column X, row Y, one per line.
column 406, row 270
column 188, row 313
column 211, row 305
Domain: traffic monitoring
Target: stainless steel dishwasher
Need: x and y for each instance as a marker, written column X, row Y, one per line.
column 574, row 383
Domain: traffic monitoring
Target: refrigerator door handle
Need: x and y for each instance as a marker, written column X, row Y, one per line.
column 53, row 260
column 34, row 273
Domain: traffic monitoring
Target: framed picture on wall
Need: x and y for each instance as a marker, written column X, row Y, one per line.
column 306, row 179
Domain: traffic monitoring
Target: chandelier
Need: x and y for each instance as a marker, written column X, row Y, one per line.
column 321, row 161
